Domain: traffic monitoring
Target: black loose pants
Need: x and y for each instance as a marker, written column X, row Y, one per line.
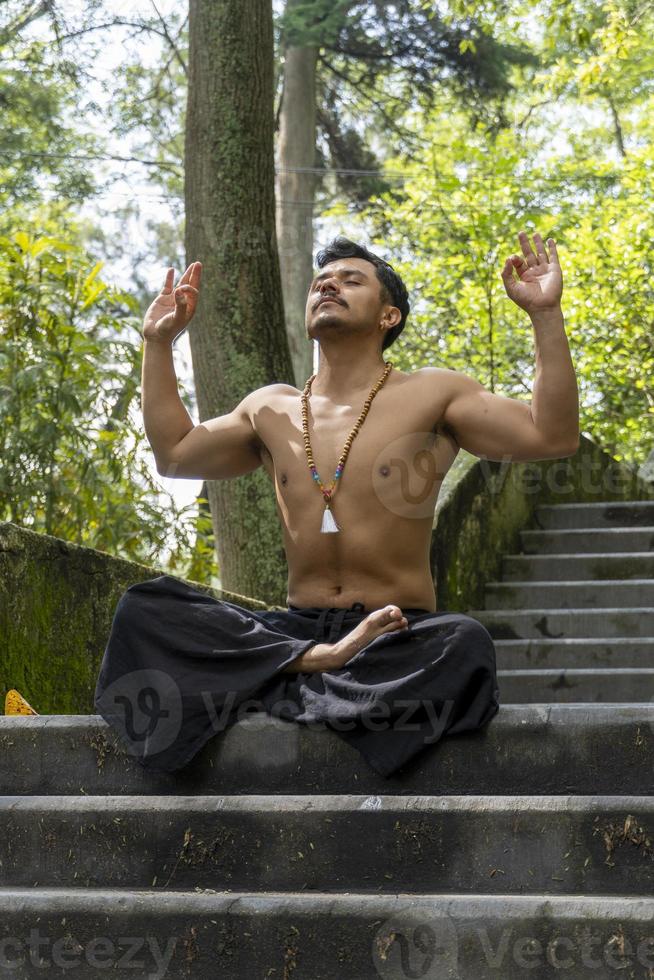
column 179, row 664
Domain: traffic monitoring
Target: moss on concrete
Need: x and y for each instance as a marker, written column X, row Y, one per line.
column 57, row 602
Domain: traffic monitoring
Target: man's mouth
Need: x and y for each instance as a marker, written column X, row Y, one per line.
column 321, row 302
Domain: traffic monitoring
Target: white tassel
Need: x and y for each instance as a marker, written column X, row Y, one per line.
column 328, row 522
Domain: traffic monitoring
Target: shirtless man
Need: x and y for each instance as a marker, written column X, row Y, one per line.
column 384, row 502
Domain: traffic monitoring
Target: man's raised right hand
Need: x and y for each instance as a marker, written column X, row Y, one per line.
column 171, row 311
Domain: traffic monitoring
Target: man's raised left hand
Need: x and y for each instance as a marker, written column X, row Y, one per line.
column 540, row 283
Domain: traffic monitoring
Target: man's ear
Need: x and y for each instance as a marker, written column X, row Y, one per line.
column 391, row 317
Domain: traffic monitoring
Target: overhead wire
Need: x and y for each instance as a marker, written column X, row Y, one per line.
column 473, row 175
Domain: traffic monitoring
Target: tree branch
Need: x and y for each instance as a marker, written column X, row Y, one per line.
column 404, row 134
column 26, row 18
column 171, row 42
column 118, row 22
column 108, row 156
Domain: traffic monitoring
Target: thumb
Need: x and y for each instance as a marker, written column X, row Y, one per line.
column 508, row 278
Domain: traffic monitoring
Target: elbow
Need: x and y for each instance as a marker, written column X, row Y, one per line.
column 571, row 448
column 166, row 467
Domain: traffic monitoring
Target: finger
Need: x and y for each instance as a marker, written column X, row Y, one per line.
column 540, row 248
column 554, row 255
column 196, row 274
column 519, row 264
column 168, row 281
column 527, row 250
column 187, row 275
column 507, row 271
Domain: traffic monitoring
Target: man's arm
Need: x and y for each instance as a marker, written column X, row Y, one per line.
column 502, row 428
column 217, row 449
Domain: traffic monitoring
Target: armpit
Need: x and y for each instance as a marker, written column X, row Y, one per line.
column 443, row 429
column 266, row 456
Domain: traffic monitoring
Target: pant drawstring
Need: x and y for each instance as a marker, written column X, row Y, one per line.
column 337, row 624
column 320, row 625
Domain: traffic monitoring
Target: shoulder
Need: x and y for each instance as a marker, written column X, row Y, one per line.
column 268, row 393
column 446, row 381
column 254, row 401
column 446, row 375
column 450, row 383
column 272, row 396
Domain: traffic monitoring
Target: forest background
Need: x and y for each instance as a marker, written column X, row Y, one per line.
column 434, row 133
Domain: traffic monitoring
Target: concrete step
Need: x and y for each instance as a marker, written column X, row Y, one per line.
column 532, row 749
column 511, row 624
column 579, row 541
column 320, row 936
column 615, row 513
column 563, row 594
column 543, row 568
column 586, row 652
column 484, row 844
column 563, row 685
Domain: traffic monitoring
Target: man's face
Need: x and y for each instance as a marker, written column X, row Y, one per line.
column 346, row 291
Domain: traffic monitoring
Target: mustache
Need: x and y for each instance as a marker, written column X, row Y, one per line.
column 328, row 299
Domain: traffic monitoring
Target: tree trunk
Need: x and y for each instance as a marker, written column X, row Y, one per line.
column 295, row 197
column 237, row 338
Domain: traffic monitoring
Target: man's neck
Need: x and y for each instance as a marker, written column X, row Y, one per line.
column 340, row 378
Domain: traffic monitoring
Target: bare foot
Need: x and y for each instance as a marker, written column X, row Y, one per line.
column 377, row 622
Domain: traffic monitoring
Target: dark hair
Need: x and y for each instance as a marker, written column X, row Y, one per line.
column 393, row 289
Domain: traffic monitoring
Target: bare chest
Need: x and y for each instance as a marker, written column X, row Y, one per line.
column 394, row 466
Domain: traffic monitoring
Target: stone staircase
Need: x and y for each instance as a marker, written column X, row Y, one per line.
column 522, row 851
column 573, row 617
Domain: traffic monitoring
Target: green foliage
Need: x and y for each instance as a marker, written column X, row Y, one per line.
column 40, row 151
column 200, row 565
column 149, row 106
column 74, row 456
column 73, row 460
column 455, row 219
column 452, row 227
column 319, row 22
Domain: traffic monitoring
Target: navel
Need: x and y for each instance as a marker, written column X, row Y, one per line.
column 384, row 470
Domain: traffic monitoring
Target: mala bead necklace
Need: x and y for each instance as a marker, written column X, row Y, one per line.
column 328, row 522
